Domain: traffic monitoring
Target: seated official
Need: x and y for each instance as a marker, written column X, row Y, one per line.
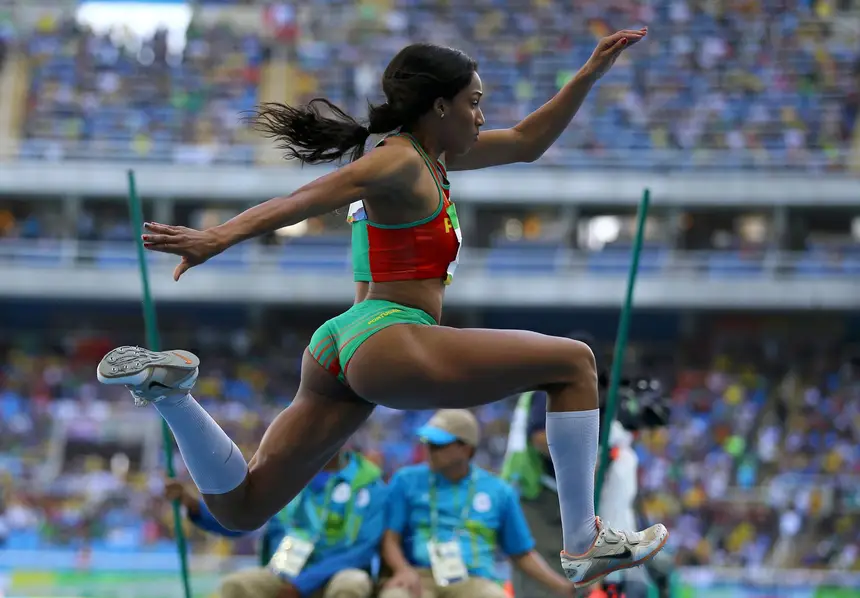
column 322, row 543
column 448, row 519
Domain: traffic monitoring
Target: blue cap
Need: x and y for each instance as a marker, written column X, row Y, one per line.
column 433, row 435
column 450, row 425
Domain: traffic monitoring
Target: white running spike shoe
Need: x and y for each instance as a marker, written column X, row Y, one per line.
column 613, row 550
column 150, row 376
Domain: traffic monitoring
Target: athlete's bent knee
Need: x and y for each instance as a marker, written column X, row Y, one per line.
column 582, row 361
column 232, row 515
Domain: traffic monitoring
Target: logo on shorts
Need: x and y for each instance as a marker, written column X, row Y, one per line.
column 384, row 314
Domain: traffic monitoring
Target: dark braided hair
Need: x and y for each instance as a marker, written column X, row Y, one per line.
column 321, row 132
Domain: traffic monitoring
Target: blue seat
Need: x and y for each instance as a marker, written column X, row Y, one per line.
column 524, row 258
column 817, row 266
column 616, row 260
column 116, row 257
column 324, row 257
column 234, row 258
column 730, row 264
column 44, row 253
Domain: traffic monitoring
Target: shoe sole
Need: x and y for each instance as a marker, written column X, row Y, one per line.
column 129, row 365
column 593, row 580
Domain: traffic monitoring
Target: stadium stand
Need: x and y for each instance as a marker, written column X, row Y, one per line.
column 733, row 85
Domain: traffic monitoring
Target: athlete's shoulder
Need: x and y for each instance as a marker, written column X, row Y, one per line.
column 396, row 158
column 386, row 168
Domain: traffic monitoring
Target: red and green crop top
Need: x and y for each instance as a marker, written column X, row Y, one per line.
column 424, row 249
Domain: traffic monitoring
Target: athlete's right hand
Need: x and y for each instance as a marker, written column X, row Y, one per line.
column 408, row 579
column 193, row 246
column 609, row 49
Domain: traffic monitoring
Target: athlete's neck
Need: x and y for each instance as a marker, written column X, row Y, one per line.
column 455, row 473
column 427, row 142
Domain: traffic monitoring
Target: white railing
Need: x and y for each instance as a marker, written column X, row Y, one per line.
column 658, row 160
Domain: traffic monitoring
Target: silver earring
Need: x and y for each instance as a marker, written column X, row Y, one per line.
column 442, row 115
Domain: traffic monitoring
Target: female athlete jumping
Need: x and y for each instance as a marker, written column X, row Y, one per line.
column 388, row 348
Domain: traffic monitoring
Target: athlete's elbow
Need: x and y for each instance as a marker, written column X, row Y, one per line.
column 530, row 155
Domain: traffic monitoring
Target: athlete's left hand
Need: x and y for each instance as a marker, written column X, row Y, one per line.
column 609, row 49
column 193, row 246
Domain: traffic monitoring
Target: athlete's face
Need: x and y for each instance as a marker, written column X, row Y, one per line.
column 462, row 118
column 448, row 458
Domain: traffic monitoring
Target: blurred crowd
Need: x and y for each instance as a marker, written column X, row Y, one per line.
column 760, row 465
column 764, row 83
column 90, row 94
column 772, row 82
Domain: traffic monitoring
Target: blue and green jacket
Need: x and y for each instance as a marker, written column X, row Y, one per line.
column 352, row 531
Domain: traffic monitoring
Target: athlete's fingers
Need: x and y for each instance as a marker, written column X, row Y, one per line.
column 171, row 249
column 164, row 247
column 610, row 43
column 637, row 33
column 162, row 239
column 619, row 46
column 636, row 36
column 611, row 40
column 161, row 228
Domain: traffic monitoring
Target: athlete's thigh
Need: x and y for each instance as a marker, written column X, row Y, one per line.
column 304, row 436
column 425, row 367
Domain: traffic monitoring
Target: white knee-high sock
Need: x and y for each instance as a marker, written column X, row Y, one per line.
column 214, row 461
column 573, row 438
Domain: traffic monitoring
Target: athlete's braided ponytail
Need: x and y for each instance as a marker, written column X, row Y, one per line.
column 308, row 134
column 319, row 131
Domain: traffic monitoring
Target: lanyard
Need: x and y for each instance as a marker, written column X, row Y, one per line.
column 318, row 517
column 434, row 506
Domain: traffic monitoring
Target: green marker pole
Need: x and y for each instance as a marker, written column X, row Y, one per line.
column 620, row 346
column 153, row 341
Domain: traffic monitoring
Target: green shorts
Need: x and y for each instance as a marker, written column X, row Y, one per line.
column 335, row 342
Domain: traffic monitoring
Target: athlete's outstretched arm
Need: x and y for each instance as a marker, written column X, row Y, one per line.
column 528, row 140
column 384, row 171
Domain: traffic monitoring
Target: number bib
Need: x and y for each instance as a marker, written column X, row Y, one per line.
column 290, row 557
column 446, row 563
